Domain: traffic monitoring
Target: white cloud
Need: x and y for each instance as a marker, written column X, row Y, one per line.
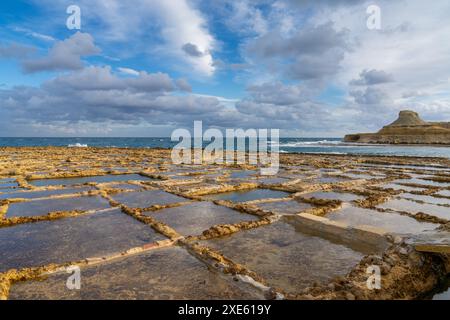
column 64, row 55
column 151, row 27
column 292, row 52
column 128, row 71
column 185, row 25
column 34, row 34
column 403, row 65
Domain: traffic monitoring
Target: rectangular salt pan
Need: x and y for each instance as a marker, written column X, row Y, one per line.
column 43, row 207
column 71, row 239
column 284, row 207
column 42, row 194
column 330, row 195
column 286, row 258
column 415, row 207
column 194, row 218
column 82, row 180
column 246, row 195
column 147, row 199
column 390, row 222
column 427, row 199
column 169, row 273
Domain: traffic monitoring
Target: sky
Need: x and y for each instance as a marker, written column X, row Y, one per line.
column 143, row 68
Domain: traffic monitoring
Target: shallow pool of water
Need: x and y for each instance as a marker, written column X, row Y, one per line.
column 243, row 174
column 445, row 193
column 273, row 180
column 284, row 207
column 8, row 185
column 428, row 199
column 331, row 195
column 285, row 257
column 360, row 176
column 414, row 207
column 423, row 182
column 169, row 273
column 124, row 186
column 147, row 199
column 71, row 239
column 330, row 179
column 82, row 180
column 444, row 294
column 390, row 222
column 42, row 194
column 400, row 187
column 42, row 207
column 194, row 218
column 248, row 195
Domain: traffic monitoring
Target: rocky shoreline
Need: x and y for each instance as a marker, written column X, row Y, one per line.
column 408, row 129
column 389, row 212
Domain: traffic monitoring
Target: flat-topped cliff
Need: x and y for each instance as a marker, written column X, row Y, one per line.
column 409, row 128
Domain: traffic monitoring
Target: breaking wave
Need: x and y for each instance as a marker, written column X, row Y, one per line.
column 77, row 145
column 299, row 144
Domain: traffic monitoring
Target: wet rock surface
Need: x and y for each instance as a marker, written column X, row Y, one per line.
column 170, row 273
column 142, row 228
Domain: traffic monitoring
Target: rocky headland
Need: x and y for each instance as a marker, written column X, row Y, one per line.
column 409, row 128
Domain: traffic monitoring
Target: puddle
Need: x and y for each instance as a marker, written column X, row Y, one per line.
column 42, row 194
column 284, row 207
column 147, row 199
column 390, row 222
column 328, row 170
column 360, row 176
column 272, row 180
column 246, row 195
column 419, row 167
column 167, row 174
column 402, row 166
column 8, row 185
column 330, row 179
column 71, row 239
column 331, row 195
column 242, row 174
column 82, row 180
column 194, row 185
column 193, row 219
column 422, row 182
column 432, row 237
column 211, row 176
column 445, row 193
column 168, row 273
column 428, row 199
column 294, row 176
column 42, row 207
column 181, row 177
column 124, row 186
column 120, row 169
column 286, row 258
column 400, row 187
column 445, row 294
column 414, row 207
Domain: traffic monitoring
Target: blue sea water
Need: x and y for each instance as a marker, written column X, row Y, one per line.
column 295, row 145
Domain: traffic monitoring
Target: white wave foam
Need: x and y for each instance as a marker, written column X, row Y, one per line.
column 77, row 145
column 299, row 144
column 314, row 152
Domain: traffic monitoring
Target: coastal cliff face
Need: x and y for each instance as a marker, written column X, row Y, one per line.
column 409, row 128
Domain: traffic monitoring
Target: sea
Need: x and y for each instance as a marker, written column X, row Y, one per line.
column 285, row 145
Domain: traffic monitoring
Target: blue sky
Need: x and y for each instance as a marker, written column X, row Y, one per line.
column 309, row 68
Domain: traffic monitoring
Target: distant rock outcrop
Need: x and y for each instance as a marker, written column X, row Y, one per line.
column 409, row 128
column 407, row 118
